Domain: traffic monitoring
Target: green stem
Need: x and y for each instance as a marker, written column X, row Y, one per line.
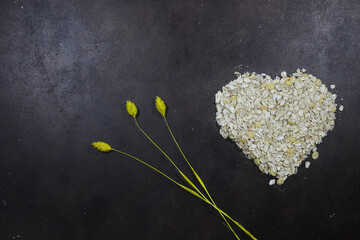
column 137, row 124
column 196, row 175
column 187, row 179
column 173, row 137
column 148, row 165
column 160, row 172
column 237, row 223
column 185, row 188
column 225, row 214
column 172, row 162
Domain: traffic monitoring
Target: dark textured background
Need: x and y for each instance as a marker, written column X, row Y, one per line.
column 67, row 68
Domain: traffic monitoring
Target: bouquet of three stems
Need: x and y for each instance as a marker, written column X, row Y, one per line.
column 192, row 189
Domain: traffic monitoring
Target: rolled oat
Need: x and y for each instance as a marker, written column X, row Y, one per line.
column 276, row 122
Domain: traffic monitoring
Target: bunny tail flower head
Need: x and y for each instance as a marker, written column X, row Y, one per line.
column 131, row 108
column 160, row 105
column 102, row 147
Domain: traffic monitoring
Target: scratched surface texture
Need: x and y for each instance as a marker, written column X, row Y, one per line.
column 67, row 68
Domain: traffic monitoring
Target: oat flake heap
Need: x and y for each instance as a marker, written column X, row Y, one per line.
column 276, row 122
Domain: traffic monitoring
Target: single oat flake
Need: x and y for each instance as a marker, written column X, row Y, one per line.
column 276, row 122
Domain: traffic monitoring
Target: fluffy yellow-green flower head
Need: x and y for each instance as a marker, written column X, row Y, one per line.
column 101, row 146
column 160, row 105
column 131, row 108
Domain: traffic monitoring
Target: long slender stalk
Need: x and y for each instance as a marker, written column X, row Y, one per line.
column 182, row 153
column 212, row 203
column 137, row 124
column 146, row 164
column 185, row 188
column 163, row 174
column 196, row 175
column 183, row 175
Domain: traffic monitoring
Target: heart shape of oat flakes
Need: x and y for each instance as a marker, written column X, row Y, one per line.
column 276, row 122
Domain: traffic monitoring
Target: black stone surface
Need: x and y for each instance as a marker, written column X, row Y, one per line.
column 67, row 68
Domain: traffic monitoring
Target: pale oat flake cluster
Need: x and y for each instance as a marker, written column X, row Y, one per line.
column 276, row 122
